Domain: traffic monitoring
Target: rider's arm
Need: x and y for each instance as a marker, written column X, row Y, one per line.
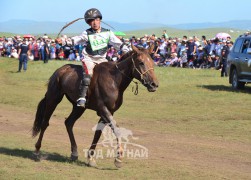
column 115, row 41
column 80, row 39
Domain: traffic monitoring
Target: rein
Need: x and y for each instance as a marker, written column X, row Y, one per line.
column 136, row 83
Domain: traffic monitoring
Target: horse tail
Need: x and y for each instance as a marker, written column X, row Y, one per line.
column 39, row 117
column 48, row 104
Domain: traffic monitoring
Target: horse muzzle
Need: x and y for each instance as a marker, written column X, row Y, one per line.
column 150, row 85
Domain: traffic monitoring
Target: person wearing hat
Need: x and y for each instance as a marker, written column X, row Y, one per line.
column 23, row 53
column 46, row 51
column 96, row 39
column 191, row 50
column 223, row 60
column 125, row 47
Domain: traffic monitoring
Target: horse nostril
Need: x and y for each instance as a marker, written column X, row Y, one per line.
column 154, row 85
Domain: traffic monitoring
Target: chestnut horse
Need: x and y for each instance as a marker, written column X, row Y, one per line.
column 105, row 95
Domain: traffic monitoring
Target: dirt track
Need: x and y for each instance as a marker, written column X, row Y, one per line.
column 216, row 158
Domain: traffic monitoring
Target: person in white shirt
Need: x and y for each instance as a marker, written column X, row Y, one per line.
column 96, row 39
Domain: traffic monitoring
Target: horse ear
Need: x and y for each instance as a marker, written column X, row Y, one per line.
column 150, row 49
column 134, row 48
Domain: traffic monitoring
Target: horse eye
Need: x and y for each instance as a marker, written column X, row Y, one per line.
column 141, row 64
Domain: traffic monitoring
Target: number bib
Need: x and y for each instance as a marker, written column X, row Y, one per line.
column 99, row 40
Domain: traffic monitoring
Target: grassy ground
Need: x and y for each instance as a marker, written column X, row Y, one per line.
column 194, row 126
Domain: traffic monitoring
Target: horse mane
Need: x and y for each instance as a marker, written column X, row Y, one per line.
column 125, row 56
column 129, row 53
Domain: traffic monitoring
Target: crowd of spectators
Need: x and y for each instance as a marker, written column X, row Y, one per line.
column 61, row 48
column 177, row 52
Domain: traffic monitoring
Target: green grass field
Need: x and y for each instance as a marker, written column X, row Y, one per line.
column 194, row 126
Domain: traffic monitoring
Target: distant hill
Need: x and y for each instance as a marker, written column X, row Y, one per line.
column 37, row 27
column 243, row 25
column 234, row 28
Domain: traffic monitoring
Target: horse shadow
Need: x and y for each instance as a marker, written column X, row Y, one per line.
column 55, row 157
column 246, row 90
column 28, row 154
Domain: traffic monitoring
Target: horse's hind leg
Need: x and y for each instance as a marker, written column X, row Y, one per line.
column 49, row 107
column 69, row 123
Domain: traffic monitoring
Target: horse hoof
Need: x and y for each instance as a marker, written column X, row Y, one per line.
column 74, row 158
column 36, row 156
column 118, row 163
column 92, row 162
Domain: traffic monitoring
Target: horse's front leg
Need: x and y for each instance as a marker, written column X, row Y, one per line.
column 108, row 118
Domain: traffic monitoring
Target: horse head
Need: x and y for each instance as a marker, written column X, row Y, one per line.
column 143, row 68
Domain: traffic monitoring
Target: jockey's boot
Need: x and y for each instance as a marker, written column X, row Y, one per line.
column 83, row 90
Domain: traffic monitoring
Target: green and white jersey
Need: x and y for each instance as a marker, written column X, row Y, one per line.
column 97, row 43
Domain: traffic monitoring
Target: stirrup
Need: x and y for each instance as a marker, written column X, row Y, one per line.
column 81, row 102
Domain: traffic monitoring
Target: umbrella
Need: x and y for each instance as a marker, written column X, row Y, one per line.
column 222, row 35
column 119, row 33
column 28, row 36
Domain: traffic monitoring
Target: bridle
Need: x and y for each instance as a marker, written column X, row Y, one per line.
column 141, row 75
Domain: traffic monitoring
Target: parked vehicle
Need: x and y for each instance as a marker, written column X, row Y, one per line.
column 239, row 62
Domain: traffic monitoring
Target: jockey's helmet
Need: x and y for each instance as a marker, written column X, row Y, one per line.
column 91, row 14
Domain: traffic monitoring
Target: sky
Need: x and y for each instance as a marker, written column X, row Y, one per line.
column 149, row 11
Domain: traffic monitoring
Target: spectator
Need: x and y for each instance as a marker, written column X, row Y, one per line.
column 203, row 41
column 162, row 48
column 199, row 58
column 216, row 62
column 23, row 56
column 77, row 56
column 156, row 59
column 41, row 48
column 67, row 48
column 183, row 58
column 46, row 51
column 14, row 53
column 1, row 46
column 52, row 50
column 61, row 54
column 230, row 45
column 115, row 56
column 71, row 56
column 223, row 62
column 58, row 46
column 184, row 38
column 125, row 47
column 182, row 48
column 216, row 48
column 191, row 50
column 173, row 61
column 165, row 34
column 36, row 50
column 110, row 53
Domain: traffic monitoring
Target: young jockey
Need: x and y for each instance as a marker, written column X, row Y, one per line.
column 96, row 39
